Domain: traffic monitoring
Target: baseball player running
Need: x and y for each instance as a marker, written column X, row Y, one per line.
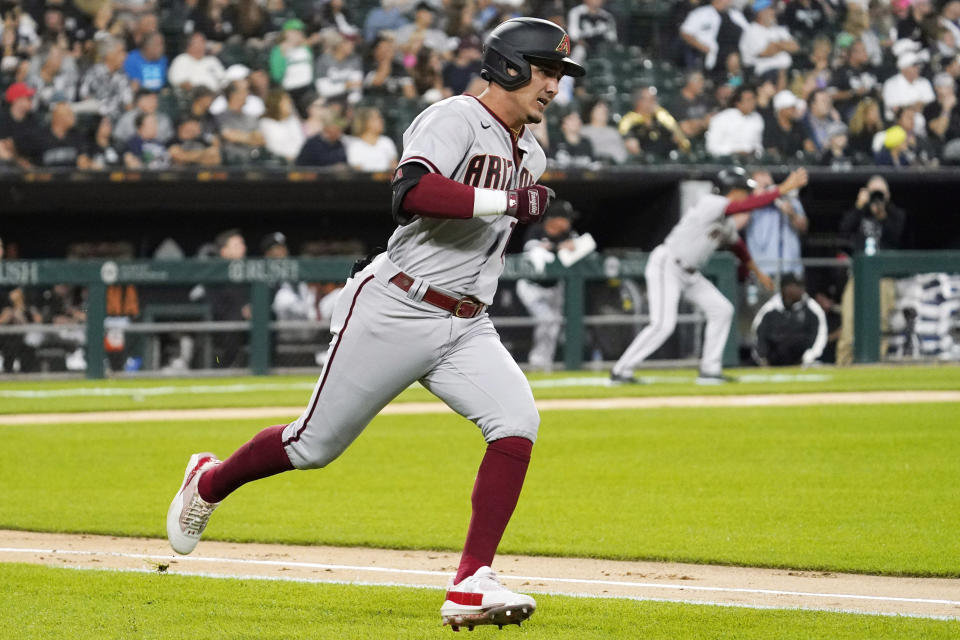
column 674, row 268
column 467, row 176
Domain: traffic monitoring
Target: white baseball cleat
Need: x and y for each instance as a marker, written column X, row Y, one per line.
column 189, row 513
column 481, row 599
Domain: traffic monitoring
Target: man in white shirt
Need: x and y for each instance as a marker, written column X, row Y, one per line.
column 766, row 46
column 194, row 68
column 700, row 28
column 907, row 88
column 738, row 129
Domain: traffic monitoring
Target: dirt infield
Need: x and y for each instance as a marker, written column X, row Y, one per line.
column 731, row 586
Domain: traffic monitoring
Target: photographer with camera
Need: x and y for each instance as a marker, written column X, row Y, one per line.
column 873, row 224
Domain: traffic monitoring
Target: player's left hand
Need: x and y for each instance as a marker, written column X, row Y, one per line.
column 765, row 281
column 528, row 204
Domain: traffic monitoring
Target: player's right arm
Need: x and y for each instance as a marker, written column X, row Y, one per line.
column 434, row 147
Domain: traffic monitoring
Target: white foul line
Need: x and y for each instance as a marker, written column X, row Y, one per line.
column 363, row 583
column 341, row 567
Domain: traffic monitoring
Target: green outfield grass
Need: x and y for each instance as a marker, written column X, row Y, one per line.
column 852, row 488
column 295, row 390
column 103, row 605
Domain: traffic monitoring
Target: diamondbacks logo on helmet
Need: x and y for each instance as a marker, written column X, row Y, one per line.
column 564, row 46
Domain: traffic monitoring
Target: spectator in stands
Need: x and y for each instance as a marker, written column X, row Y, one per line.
column 820, row 116
column 324, row 148
column 145, row 150
column 242, row 139
column 423, row 28
column 59, row 144
column 692, row 106
column 254, row 105
column 835, row 154
column 53, row 72
column 139, row 28
column 903, row 146
column 368, row 149
column 806, row 19
column 465, row 66
column 106, row 82
column 335, row 16
column 427, row 74
column 340, row 71
column 699, row 32
column 907, row 88
column 607, row 144
column 590, row 25
column 784, row 137
column 916, row 26
column 384, row 75
column 281, row 128
column 100, row 152
column 790, row 329
column 215, row 19
column 873, row 224
column 201, row 99
column 389, row 16
column 18, row 125
column 146, row 101
column 190, row 148
column 765, row 46
column 942, row 116
column 858, row 25
column 291, row 64
column 195, row 68
column 649, row 128
column 572, row 149
column 229, row 303
column 866, row 124
column 147, row 66
column 948, row 43
column 253, row 23
column 773, row 232
column 737, row 130
column 855, row 80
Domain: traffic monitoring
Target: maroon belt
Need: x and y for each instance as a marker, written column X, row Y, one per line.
column 466, row 307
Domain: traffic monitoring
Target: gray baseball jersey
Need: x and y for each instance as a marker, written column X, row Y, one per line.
column 385, row 337
column 460, row 139
column 701, row 231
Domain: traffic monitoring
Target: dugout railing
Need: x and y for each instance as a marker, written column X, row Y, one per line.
column 262, row 275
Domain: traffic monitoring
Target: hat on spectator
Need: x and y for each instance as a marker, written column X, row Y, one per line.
column 58, row 97
column 835, row 129
column 785, row 99
column 845, row 40
column 903, row 45
column 561, row 209
column 894, row 137
column 908, row 59
column 236, row 72
column 760, row 5
column 271, row 240
column 18, row 90
column 294, row 24
column 424, row 6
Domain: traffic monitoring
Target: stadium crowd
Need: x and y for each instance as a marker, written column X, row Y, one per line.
column 99, row 84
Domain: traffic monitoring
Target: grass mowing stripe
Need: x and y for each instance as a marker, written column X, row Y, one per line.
column 40, row 603
column 293, row 390
column 842, row 488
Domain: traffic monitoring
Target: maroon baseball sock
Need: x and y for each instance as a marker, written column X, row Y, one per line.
column 263, row 456
column 495, row 495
